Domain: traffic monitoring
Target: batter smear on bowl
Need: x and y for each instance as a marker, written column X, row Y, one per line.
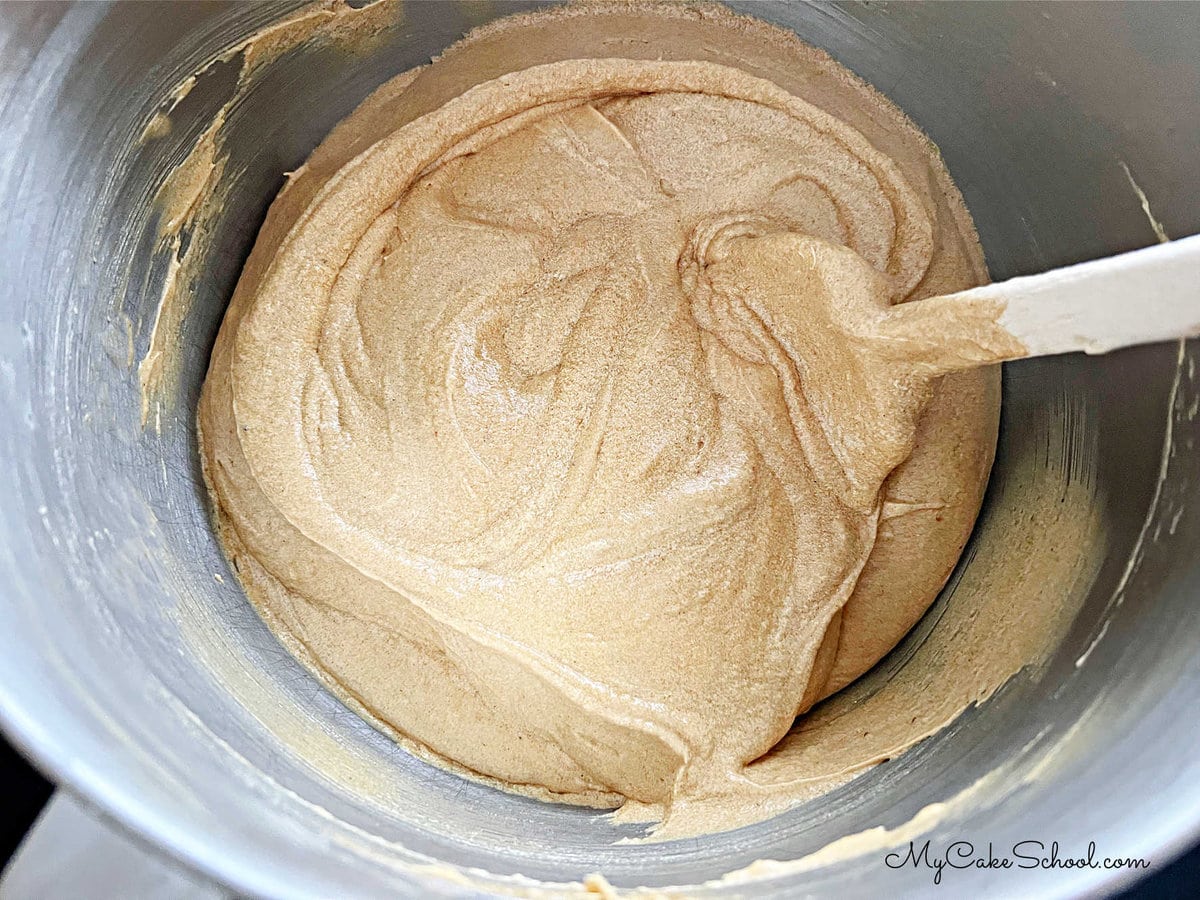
column 564, row 423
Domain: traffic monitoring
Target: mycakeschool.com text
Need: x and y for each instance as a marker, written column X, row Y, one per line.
column 942, row 862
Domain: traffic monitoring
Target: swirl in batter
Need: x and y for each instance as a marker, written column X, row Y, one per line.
column 559, row 429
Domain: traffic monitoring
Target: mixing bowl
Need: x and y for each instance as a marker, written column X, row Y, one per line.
column 133, row 670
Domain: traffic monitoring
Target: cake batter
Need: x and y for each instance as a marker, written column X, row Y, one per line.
column 563, row 422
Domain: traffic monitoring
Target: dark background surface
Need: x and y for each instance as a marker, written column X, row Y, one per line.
column 25, row 792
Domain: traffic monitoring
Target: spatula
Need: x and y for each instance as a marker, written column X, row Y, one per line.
column 1140, row 297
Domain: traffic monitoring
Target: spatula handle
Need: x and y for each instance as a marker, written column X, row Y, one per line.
column 1139, row 297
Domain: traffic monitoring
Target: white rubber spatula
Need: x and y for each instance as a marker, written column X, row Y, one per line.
column 1139, row 297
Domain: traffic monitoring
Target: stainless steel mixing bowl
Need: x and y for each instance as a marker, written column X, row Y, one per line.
column 134, row 672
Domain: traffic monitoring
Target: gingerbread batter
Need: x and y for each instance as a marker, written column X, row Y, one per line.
column 562, row 422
